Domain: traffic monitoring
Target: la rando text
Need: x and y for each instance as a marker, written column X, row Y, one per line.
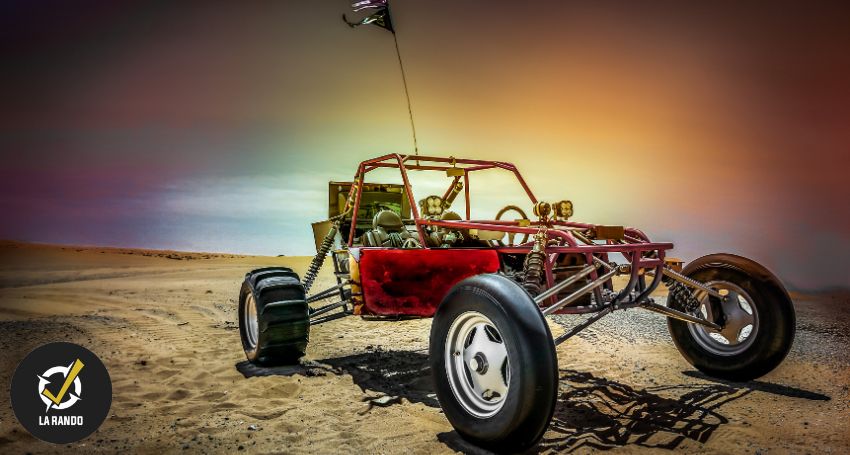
column 60, row 420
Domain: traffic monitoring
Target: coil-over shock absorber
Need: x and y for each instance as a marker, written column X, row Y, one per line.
column 319, row 258
column 680, row 296
column 532, row 267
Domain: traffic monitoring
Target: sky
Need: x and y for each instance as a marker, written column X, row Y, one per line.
column 216, row 126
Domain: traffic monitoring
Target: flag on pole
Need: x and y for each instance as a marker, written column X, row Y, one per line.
column 381, row 16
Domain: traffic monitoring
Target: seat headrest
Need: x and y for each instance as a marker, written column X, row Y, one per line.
column 450, row 216
column 388, row 220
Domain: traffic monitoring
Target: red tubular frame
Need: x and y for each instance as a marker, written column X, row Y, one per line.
column 637, row 246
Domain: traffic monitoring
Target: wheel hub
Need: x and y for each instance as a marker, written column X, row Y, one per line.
column 477, row 364
column 738, row 317
column 735, row 318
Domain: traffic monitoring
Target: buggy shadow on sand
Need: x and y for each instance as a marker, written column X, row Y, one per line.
column 590, row 411
column 489, row 284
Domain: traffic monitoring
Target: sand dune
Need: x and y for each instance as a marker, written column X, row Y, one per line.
column 164, row 323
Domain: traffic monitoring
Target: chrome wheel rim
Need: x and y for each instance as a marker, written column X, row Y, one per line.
column 252, row 324
column 740, row 325
column 477, row 364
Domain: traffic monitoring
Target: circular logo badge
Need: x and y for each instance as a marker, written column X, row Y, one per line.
column 61, row 392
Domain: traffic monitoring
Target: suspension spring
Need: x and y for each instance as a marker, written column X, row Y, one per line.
column 532, row 267
column 319, row 259
column 681, row 296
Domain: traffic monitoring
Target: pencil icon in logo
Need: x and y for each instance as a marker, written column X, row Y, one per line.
column 70, row 377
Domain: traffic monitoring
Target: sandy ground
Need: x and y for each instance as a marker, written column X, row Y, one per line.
column 164, row 325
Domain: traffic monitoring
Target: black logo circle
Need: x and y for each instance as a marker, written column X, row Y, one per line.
column 61, row 392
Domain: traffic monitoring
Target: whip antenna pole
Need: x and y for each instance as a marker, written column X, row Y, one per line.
column 383, row 19
column 406, row 95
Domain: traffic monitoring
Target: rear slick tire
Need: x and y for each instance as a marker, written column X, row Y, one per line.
column 494, row 364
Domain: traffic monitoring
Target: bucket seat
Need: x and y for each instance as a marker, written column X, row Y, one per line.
column 388, row 231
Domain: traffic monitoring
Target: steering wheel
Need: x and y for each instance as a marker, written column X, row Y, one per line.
column 512, row 235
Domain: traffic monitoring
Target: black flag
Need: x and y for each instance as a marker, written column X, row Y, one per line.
column 381, row 16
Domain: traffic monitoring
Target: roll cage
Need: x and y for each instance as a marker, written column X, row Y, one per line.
column 643, row 257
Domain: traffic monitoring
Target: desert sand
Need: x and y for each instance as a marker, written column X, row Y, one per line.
column 164, row 323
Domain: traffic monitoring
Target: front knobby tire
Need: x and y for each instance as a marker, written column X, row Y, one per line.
column 494, row 365
column 756, row 312
column 274, row 321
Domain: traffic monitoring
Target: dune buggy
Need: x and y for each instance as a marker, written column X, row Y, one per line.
column 490, row 284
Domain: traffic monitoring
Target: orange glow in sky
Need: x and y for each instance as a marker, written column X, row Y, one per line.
column 217, row 127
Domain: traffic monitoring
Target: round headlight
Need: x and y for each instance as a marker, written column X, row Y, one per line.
column 542, row 209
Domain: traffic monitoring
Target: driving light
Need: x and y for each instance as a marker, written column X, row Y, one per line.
column 563, row 209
